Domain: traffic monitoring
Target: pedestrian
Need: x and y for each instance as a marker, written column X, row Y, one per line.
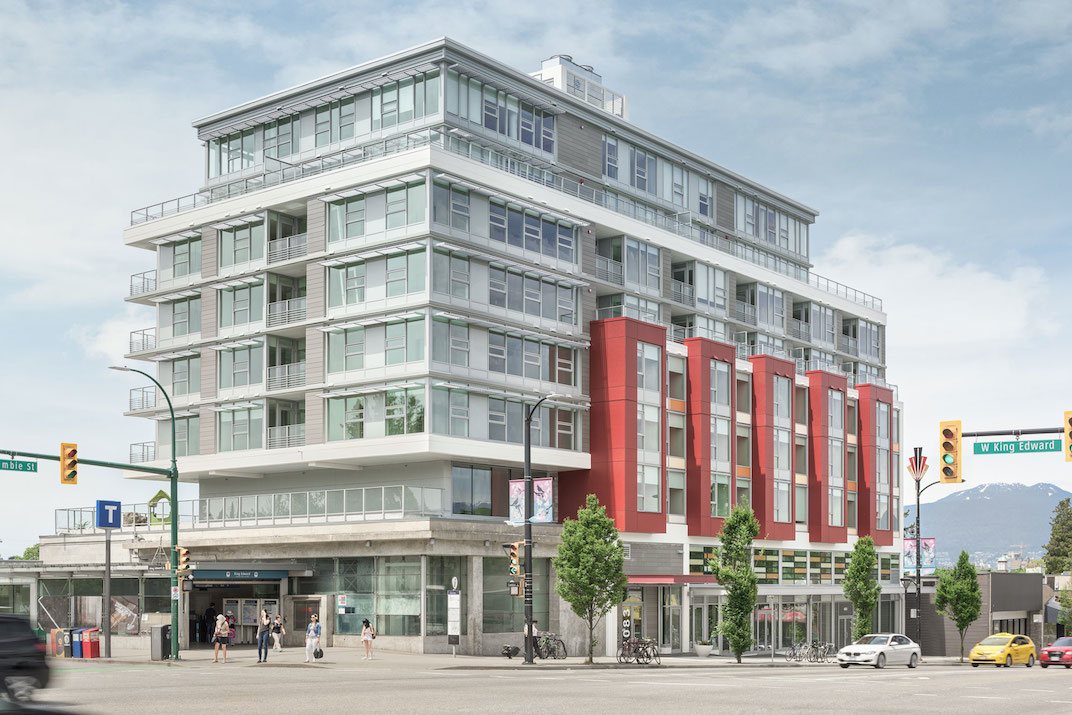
column 264, row 627
column 312, row 637
column 210, row 615
column 221, row 637
column 368, row 634
column 278, row 631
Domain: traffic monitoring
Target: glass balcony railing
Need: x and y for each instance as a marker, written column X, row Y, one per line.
column 142, row 398
column 283, row 312
column 142, row 340
column 799, row 330
column 144, row 282
column 288, row 248
column 284, row 377
column 142, row 452
column 744, row 312
column 682, row 293
column 610, row 270
column 847, row 344
column 323, row 506
column 628, row 311
column 286, row 436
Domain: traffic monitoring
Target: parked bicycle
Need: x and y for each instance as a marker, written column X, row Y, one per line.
column 642, row 651
column 549, row 645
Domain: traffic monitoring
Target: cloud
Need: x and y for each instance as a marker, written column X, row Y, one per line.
column 1049, row 122
column 109, row 341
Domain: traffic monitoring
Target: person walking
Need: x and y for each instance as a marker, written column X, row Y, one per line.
column 264, row 627
column 312, row 637
column 368, row 634
column 278, row 631
column 221, row 637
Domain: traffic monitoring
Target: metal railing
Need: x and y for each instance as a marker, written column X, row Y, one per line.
column 628, row 311
column 144, row 282
column 682, row 292
column 283, row 377
column 142, row 398
column 282, row 312
column 287, row 248
column 799, row 330
column 142, row 452
column 805, row 366
column 518, row 167
column 746, row 351
column 286, row 436
column 324, row 506
column 142, row 340
column 745, row 312
column 848, row 345
column 610, row 270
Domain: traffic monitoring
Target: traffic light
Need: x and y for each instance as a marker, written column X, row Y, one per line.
column 949, row 452
column 183, row 566
column 68, row 463
column 1067, row 431
column 513, row 552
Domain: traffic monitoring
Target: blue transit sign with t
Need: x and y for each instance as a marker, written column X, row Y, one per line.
column 109, row 514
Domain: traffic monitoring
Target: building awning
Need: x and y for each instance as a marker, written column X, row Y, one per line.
column 668, row 580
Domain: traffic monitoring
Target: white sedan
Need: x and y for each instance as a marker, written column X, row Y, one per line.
column 880, row 650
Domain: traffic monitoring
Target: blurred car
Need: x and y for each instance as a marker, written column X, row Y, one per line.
column 1003, row 649
column 880, row 649
column 1057, row 653
column 23, row 668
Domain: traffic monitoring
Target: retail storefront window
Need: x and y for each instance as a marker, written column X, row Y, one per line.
column 504, row 613
column 441, row 569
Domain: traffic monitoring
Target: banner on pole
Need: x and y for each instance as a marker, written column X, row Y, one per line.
column 927, row 557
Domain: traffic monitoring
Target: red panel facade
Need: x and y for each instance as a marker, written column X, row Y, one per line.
column 764, row 369
column 819, row 385
column 613, row 427
column 870, row 395
column 699, row 469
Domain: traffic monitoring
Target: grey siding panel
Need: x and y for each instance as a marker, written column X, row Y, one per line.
column 654, row 559
column 208, row 312
column 588, row 251
column 314, row 418
column 209, row 251
column 208, row 374
column 667, row 274
column 316, row 225
column 314, row 356
column 315, row 275
column 580, row 145
column 587, row 306
column 724, row 206
column 208, row 431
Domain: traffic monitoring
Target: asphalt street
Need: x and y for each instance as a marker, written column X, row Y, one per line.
column 417, row 683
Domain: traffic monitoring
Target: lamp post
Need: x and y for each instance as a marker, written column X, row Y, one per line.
column 906, row 581
column 529, row 412
column 174, row 478
column 917, row 467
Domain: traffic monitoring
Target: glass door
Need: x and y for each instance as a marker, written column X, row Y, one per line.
column 764, row 622
column 670, row 630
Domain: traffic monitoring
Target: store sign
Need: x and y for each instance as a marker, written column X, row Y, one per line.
column 220, row 575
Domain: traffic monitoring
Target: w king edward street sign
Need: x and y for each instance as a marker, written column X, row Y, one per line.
column 1024, row 446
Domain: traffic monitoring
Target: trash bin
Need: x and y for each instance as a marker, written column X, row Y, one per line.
column 67, row 643
column 91, row 643
column 55, row 643
column 76, row 642
column 160, row 642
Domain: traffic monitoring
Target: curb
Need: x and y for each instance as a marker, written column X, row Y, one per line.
column 704, row 666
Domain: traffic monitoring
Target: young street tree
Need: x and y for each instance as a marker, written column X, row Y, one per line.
column 1064, row 616
column 590, row 566
column 1058, row 556
column 733, row 569
column 957, row 596
column 861, row 585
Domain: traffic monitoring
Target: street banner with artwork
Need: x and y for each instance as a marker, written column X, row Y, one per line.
column 543, row 502
column 908, row 557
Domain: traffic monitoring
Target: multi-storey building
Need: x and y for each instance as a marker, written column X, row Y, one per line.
column 385, row 265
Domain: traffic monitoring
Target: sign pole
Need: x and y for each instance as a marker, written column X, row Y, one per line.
column 108, row 593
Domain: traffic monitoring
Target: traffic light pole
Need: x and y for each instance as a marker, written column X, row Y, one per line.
column 529, row 412
column 1013, row 432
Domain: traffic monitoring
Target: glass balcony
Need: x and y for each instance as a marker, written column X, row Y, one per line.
column 283, row 377
column 682, row 292
column 848, row 345
column 142, row 452
column 285, row 249
column 144, row 282
column 284, row 312
column 628, row 311
column 142, row 340
column 323, row 506
column 142, row 398
column 286, row 436
column 799, row 330
column 745, row 312
column 607, row 269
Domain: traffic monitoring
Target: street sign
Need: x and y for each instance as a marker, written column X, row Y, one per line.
column 454, row 616
column 18, row 465
column 109, row 514
column 175, row 593
column 1023, row 446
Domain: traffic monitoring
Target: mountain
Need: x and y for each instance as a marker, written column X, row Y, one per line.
column 989, row 520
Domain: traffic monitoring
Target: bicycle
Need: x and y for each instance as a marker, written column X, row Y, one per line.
column 639, row 650
column 549, row 645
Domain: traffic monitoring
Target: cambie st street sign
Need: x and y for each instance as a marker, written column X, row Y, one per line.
column 1024, row 446
column 18, row 465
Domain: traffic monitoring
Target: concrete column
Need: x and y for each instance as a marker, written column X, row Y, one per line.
column 424, row 591
column 474, row 625
column 686, row 617
column 611, row 631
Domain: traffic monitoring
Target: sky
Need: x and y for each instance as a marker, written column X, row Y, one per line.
column 935, row 138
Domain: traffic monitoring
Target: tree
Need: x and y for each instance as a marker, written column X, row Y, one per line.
column 1064, row 617
column 732, row 567
column 31, row 553
column 590, row 566
column 1058, row 556
column 861, row 585
column 958, row 597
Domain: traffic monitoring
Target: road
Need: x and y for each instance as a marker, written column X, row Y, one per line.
column 415, row 683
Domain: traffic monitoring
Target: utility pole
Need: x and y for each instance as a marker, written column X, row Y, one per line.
column 529, row 412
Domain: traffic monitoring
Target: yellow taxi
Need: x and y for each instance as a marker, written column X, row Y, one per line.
column 1003, row 649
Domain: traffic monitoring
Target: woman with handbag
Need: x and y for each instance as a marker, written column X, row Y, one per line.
column 312, row 637
column 368, row 634
column 221, row 637
column 264, row 625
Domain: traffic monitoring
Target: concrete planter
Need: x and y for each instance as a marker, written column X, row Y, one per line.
column 702, row 650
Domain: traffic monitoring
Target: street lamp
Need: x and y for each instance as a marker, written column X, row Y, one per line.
column 174, row 477
column 917, row 467
column 529, row 412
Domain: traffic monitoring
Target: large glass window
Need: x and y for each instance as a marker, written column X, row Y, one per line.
column 186, row 376
column 241, row 244
column 720, row 385
column 720, row 442
column 398, row 595
column 239, row 306
column 648, row 367
column 346, row 219
column 405, row 205
column 450, row 342
column 404, row 341
column 532, row 231
column 800, row 499
column 450, row 412
column 404, row 411
column 783, row 394
column 504, row 613
column 346, row 418
column 450, row 206
column 185, row 316
column 836, row 479
column 241, row 366
column 642, row 264
column 346, row 285
column 346, row 350
column 675, row 492
column 240, row 429
column 405, row 273
column 450, row 274
column 836, row 407
column 648, row 488
column 180, row 259
column 720, row 494
column 471, row 490
column 540, row 298
column 499, row 112
column 441, row 572
column 744, row 492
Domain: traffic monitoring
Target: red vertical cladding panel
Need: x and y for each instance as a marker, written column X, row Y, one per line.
column 701, row 352
column 819, row 385
column 764, row 370
column 868, row 443
column 613, row 426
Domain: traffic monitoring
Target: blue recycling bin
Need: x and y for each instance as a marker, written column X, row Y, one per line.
column 76, row 642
